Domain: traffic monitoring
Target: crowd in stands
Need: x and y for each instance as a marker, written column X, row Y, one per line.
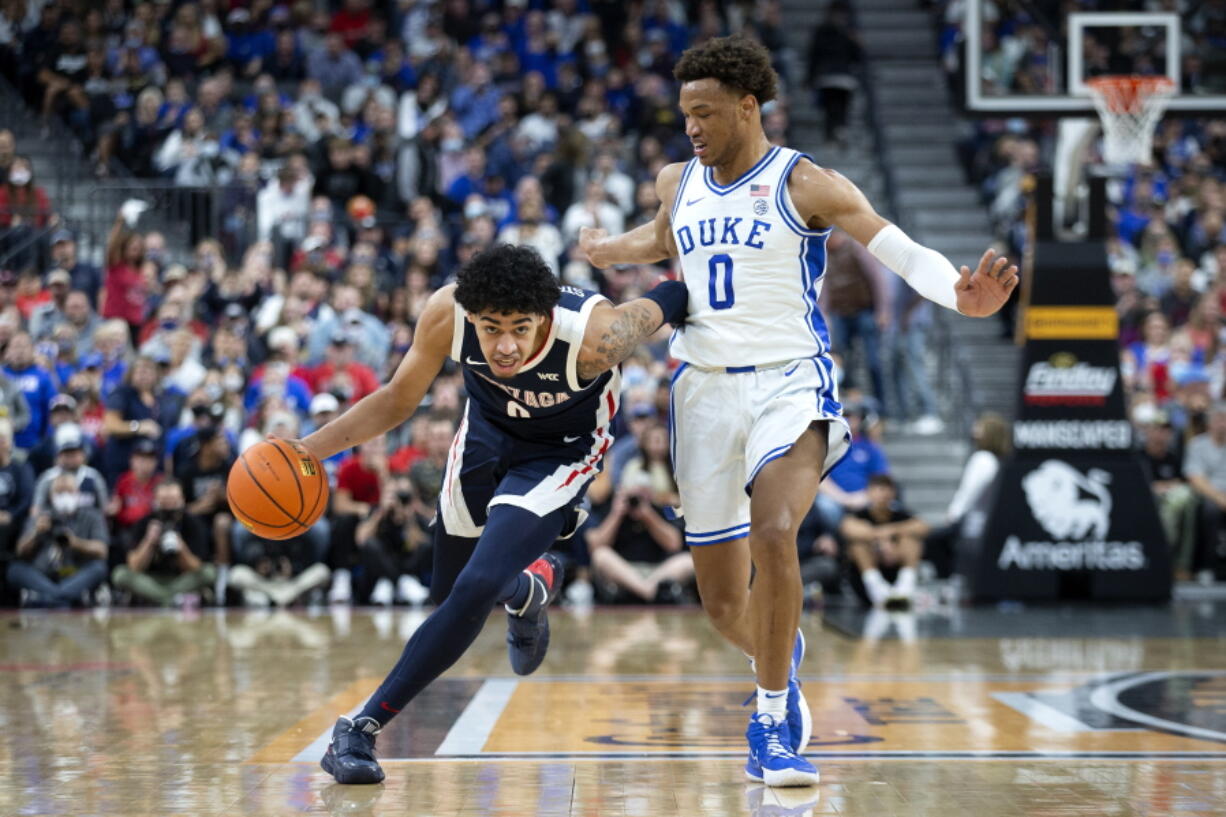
column 1166, row 248
column 336, row 168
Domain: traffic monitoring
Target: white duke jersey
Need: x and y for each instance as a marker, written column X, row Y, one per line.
column 753, row 269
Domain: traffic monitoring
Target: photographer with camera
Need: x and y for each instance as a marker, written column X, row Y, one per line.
column 394, row 546
column 166, row 561
column 635, row 548
column 884, row 539
column 61, row 554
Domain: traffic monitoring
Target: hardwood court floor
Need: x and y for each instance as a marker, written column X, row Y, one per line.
column 635, row 713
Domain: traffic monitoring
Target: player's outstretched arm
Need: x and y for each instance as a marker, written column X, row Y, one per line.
column 825, row 197
column 395, row 401
column 646, row 244
column 614, row 332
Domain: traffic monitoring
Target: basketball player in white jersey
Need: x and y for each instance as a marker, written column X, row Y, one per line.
column 755, row 412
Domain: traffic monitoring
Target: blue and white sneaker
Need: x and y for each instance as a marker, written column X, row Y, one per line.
column 799, row 719
column 771, row 759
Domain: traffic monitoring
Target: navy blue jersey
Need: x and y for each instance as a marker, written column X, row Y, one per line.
column 545, row 402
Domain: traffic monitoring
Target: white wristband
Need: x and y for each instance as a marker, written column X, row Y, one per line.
column 927, row 271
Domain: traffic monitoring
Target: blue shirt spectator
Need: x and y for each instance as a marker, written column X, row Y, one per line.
column 36, row 383
column 334, row 66
column 476, row 102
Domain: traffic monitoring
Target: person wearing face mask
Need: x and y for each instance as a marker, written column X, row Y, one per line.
column 167, row 559
column 531, row 230
column 50, row 314
column 70, row 460
column 61, row 554
column 22, row 202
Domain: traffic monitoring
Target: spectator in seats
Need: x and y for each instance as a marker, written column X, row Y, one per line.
column 202, row 469
column 883, row 538
column 136, row 137
column 340, row 374
column 137, row 408
column 595, row 210
column 8, row 152
column 51, row 313
column 394, row 545
column 61, row 411
column 906, row 338
column 990, row 438
column 16, row 492
column 134, row 495
column 369, row 335
column 13, row 406
column 70, row 459
column 282, row 207
column 62, row 551
column 1205, row 468
column 191, row 155
column 1144, row 364
column 845, row 488
column 23, row 204
column 34, row 382
column 836, row 59
column 124, row 291
column 279, row 572
column 286, row 64
column 334, row 66
column 168, row 552
column 856, row 307
column 1177, row 506
column 84, row 322
column 61, row 70
column 635, row 548
column 359, row 486
column 1178, row 302
column 531, row 230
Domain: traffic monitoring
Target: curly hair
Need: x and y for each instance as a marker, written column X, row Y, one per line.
column 737, row 62
column 507, row 279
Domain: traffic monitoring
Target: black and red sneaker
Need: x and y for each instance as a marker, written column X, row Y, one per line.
column 528, row 628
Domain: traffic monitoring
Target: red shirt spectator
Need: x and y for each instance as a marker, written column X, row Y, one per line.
column 21, row 201
column 123, row 289
column 359, row 479
column 351, row 22
column 362, row 379
column 133, row 499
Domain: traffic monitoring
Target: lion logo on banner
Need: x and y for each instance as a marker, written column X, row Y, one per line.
column 1067, row 503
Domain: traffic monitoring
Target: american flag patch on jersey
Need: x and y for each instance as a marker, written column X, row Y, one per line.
column 759, row 189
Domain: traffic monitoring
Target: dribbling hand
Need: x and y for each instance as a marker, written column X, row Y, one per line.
column 589, row 245
column 984, row 291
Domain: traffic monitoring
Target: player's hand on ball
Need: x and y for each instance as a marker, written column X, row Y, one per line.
column 590, row 239
column 984, row 291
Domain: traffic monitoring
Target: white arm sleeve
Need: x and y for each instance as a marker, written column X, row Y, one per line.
column 927, row 271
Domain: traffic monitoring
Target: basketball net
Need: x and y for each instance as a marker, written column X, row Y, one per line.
column 1129, row 107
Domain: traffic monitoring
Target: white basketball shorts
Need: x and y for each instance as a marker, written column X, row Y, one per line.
column 726, row 424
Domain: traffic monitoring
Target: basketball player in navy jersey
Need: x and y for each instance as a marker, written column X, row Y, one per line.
column 540, row 368
column 756, row 416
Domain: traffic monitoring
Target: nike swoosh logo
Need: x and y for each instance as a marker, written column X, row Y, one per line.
column 694, row 201
column 572, row 439
column 791, row 371
column 472, row 362
column 780, row 695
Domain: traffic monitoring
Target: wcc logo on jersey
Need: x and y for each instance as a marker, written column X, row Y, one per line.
column 729, row 231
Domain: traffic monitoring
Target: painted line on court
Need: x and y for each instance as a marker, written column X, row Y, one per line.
column 825, row 757
column 1106, row 698
column 471, row 730
column 1040, row 712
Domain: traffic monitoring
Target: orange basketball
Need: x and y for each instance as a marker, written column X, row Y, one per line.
column 277, row 489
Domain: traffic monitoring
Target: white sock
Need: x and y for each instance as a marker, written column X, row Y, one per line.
column 876, row 586
column 904, row 585
column 773, row 702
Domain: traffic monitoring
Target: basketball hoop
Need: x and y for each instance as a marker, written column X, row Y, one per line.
column 1129, row 107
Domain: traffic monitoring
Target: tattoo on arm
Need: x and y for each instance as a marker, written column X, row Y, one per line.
column 635, row 323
